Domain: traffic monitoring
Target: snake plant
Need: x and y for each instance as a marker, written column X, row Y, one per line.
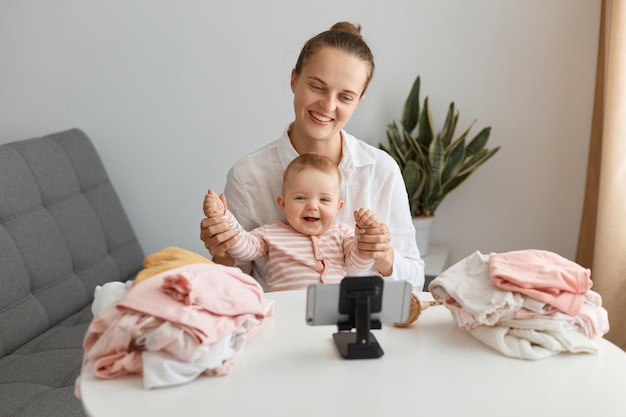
column 432, row 164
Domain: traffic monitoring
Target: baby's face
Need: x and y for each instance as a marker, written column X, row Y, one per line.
column 311, row 201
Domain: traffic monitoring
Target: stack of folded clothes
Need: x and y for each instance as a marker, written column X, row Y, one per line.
column 527, row 304
column 178, row 320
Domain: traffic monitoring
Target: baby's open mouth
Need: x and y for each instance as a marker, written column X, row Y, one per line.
column 311, row 219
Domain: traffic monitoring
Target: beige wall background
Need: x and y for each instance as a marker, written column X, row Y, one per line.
column 172, row 93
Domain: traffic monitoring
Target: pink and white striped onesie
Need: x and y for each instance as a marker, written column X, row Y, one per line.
column 295, row 260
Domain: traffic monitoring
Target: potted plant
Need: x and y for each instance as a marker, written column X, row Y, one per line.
column 432, row 164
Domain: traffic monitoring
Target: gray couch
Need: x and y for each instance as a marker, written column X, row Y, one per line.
column 63, row 231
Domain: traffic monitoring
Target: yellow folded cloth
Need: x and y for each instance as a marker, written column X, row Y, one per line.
column 168, row 258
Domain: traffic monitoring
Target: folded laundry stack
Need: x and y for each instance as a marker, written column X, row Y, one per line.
column 527, row 304
column 174, row 325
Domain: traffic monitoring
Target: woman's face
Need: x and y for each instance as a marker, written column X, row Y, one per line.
column 326, row 93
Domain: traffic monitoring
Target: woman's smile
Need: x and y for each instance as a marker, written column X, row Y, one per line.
column 320, row 117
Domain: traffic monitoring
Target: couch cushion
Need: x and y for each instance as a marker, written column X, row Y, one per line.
column 62, row 232
column 38, row 378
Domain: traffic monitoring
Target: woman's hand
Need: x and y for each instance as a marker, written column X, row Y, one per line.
column 216, row 231
column 374, row 240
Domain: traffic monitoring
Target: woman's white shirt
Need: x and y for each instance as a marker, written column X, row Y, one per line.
column 370, row 178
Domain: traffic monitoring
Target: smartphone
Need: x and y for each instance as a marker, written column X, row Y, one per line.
column 322, row 303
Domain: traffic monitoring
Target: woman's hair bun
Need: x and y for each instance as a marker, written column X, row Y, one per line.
column 348, row 27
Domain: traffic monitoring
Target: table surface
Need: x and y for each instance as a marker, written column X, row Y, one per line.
column 431, row 368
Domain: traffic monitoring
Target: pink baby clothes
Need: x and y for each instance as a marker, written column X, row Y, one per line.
column 542, row 275
column 295, row 260
column 223, row 297
column 110, row 342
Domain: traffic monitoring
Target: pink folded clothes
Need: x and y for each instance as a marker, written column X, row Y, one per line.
column 208, row 299
column 187, row 321
column 542, row 275
column 179, row 288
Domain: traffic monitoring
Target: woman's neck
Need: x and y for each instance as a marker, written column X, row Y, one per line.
column 329, row 147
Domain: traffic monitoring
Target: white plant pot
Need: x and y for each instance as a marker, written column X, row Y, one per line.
column 423, row 226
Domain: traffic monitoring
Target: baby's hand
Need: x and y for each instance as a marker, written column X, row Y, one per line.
column 365, row 218
column 214, row 205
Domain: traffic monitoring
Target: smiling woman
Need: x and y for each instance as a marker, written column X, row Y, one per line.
column 326, row 93
column 329, row 80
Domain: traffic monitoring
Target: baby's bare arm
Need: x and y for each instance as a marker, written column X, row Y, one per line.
column 214, row 205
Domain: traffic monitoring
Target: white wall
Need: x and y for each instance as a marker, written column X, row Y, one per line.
column 173, row 92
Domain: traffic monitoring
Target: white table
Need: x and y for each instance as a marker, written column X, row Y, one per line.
column 432, row 368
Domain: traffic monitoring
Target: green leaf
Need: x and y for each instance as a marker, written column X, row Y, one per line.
column 479, row 142
column 425, row 128
column 414, row 180
column 462, row 136
column 393, row 134
column 477, row 160
column 449, row 126
column 395, row 145
column 455, row 182
column 454, row 158
column 436, row 160
column 411, row 109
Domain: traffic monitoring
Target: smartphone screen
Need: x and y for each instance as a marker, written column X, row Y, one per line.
column 322, row 304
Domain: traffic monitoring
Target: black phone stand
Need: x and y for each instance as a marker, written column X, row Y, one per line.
column 359, row 297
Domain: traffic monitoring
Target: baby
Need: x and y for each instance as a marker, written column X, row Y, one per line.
column 310, row 247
